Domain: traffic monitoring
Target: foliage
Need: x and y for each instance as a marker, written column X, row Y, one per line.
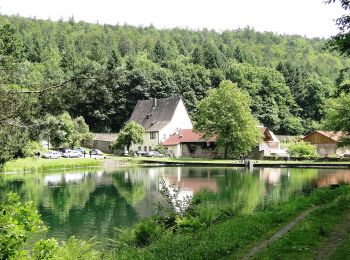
column 17, row 223
column 146, row 231
column 225, row 115
column 341, row 41
column 62, row 130
column 45, row 249
column 160, row 148
column 172, row 196
column 303, row 150
column 132, row 133
column 75, row 248
column 30, row 148
column 235, row 235
column 114, row 66
column 337, row 117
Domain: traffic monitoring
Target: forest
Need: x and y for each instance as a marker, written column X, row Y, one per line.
column 99, row 71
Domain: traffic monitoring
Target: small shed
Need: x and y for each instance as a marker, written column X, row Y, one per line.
column 326, row 142
column 103, row 141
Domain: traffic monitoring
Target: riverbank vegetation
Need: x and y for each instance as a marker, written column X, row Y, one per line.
column 31, row 164
column 201, row 232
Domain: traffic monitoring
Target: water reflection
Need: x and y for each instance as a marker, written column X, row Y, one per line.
column 91, row 203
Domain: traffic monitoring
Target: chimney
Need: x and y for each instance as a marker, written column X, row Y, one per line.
column 154, row 103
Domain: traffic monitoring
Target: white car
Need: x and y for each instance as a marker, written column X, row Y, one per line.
column 96, row 152
column 71, row 154
column 52, row 155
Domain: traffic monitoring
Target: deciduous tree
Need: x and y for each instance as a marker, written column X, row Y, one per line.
column 225, row 113
column 132, row 133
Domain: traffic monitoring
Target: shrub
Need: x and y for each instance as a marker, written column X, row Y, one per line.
column 303, row 150
column 45, row 249
column 188, row 224
column 17, row 222
column 146, row 231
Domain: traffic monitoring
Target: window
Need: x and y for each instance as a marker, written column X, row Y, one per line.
column 149, row 148
column 145, row 148
column 139, row 148
column 164, row 136
column 153, row 135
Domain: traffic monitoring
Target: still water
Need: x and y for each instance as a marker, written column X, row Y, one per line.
column 91, row 203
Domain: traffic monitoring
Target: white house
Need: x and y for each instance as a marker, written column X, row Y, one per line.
column 160, row 118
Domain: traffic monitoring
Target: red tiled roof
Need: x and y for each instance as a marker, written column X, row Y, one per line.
column 334, row 135
column 186, row 136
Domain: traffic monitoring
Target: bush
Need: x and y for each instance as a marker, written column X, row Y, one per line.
column 146, row 231
column 31, row 148
column 17, row 223
column 45, row 249
column 303, row 150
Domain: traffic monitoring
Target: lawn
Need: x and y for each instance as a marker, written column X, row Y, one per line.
column 41, row 164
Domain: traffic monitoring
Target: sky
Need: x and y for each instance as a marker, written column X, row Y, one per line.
column 311, row 18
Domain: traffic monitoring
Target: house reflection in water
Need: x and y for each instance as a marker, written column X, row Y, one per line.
column 272, row 175
column 338, row 176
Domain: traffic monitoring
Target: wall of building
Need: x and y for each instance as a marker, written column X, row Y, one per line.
column 175, row 150
column 180, row 120
column 147, row 144
column 104, row 146
column 200, row 150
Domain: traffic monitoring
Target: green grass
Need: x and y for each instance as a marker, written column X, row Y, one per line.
column 305, row 240
column 343, row 251
column 232, row 237
column 41, row 164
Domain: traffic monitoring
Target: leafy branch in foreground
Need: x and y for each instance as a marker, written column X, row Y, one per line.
column 172, row 195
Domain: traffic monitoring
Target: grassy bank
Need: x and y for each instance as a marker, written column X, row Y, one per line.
column 34, row 164
column 232, row 237
column 313, row 238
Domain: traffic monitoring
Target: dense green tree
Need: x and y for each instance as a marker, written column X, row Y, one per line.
column 341, row 41
column 225, row 114
column 337, row 117
column 62, row 130
column 132, row 133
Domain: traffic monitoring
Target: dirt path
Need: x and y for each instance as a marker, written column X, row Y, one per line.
column 277, row 235
column 335, row 239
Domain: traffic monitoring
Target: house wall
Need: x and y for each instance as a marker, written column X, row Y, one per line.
column 104, row 146
column 200, row 150
column 325, row 146
column 147, row 141
column 175, row 150
column 180, row 120
column 317, row 138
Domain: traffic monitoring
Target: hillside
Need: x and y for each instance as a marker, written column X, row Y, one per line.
column 288, row 77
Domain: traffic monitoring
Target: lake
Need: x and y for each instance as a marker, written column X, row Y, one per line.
column 91, row 203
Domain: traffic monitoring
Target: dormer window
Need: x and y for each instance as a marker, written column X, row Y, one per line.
column 149, row 115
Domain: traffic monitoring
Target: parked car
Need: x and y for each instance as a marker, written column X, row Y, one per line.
column 80, row 149
column 71, row 154
column 154, row 154
column 96, row 152
column 52, row 155
column 140, row 153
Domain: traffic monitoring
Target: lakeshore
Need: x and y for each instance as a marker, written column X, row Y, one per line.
column 39, row 164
